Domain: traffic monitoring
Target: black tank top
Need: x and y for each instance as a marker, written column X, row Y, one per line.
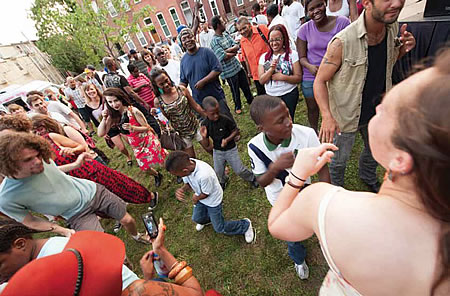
column 375, row 84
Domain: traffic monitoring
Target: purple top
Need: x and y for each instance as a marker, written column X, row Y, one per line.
column 318, row 42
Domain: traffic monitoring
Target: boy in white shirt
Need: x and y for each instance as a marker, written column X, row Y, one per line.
column 208, row 194
column 272, row 153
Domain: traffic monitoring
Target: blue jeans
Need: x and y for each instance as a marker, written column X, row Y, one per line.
column 203, row 214
column 367, row 165
column 297, row 252
column 291, row 100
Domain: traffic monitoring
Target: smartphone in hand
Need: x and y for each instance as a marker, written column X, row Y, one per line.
column 150, row 224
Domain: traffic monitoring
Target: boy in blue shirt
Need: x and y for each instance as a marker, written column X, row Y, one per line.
column 272, row 153
column 200, row 177
column 222, row 130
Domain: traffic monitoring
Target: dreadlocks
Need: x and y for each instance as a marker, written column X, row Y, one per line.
column 10, row 230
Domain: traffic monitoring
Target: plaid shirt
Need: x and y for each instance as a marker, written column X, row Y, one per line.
column 219, row 44
column 76, row 96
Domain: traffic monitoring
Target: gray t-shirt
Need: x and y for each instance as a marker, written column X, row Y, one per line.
column 51, row 192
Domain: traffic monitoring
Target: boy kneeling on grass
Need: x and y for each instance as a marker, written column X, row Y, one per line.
column 222, row 131
column 208, row 194
column 272, row 153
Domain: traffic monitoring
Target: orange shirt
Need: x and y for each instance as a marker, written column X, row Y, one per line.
column 254, row 48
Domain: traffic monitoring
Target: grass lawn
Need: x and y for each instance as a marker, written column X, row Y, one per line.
column 229, row 264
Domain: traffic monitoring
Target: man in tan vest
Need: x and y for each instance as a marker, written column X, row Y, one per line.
column 355, row 72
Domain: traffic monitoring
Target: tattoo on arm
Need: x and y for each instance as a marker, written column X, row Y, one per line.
column 326, row 61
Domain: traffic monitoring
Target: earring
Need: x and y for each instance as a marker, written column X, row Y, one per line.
column 160, row 90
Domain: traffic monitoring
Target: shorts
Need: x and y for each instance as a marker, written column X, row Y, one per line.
column 85, row 114
column 104, row 202
column 307, row 88
column 113, row 131
column 197, row 137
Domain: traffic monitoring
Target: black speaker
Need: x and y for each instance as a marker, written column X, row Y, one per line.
column 437, row 8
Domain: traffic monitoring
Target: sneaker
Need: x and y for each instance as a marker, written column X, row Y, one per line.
column 199, row 227
column 158, row 179
column 302, row 270
column 141, row 238
column 254, row 184
column 117, row 227
column 154, row 201
column 250, row 234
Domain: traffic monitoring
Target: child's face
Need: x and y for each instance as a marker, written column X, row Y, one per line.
column 212, row 113
column 180, row 173
column 277, row 123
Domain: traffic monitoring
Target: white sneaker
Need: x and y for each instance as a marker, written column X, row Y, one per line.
column 302, row 270
column 250, row 234
column 199, row 227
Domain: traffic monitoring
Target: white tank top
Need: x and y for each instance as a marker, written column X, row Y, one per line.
column 344, row 11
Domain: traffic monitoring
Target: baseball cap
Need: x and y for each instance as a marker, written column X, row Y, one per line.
column 180, row 27
column 91, row 261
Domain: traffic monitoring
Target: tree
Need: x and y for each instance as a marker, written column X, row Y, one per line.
column 76, row 33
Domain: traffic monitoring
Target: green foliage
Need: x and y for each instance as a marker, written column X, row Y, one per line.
column 78, row 33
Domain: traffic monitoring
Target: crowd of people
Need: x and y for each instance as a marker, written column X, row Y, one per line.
column 339, row 58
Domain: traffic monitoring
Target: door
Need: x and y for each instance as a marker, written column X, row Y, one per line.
column 226, row 5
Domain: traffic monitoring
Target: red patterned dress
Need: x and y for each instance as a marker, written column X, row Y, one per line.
column 116, row 182
column 146, row 146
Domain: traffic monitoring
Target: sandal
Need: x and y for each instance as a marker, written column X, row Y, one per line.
column 142, row 238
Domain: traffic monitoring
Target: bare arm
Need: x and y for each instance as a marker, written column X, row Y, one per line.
column 62, row 141
column 192, row 102
column 330, row 64
column 105, row 124
column 265, row 77
column 206, row 142
column 353, row 10
column 78, row 120
column 302, row 48
column 41, row 224
column 140, row 118
column 207, row 79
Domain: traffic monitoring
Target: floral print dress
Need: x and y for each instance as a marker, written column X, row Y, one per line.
column 146, row 146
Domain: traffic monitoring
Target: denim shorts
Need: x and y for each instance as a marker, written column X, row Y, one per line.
column 307, row 88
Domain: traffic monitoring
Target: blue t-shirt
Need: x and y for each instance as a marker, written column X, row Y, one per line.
column 197, row 66
column 51, row 192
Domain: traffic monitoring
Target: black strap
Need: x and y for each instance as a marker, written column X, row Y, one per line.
column 262, row 35
column 267, row 161
column 80, row 271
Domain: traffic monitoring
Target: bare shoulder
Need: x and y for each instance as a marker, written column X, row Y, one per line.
column 391, row 252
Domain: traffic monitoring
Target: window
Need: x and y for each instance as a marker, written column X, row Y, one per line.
column 112, row 11
column 129, row 42
column 187, row 12
column 19, row 66
column 141, row 37
column 174, row 15
column 240, row 2
column 126, row 5
column 163, row 24
column 202, row 15
column 213, row 5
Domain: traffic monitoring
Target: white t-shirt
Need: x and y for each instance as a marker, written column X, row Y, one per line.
column 56, row 245
column 302, row 137
column 173, row 69
column 279, row 88
column 204, row 180
column 260, row 19
column 63, row 110
column 293, row 13
column 205, row 38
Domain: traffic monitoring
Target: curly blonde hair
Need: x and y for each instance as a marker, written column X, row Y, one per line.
column 12, row 145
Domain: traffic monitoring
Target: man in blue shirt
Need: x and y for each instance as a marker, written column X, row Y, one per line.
column 200, row 68
column 226, row 49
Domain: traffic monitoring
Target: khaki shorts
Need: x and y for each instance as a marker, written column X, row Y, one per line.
column 196, row 137
column 104, row 202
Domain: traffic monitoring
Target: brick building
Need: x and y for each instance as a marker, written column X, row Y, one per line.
column 169, row 14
